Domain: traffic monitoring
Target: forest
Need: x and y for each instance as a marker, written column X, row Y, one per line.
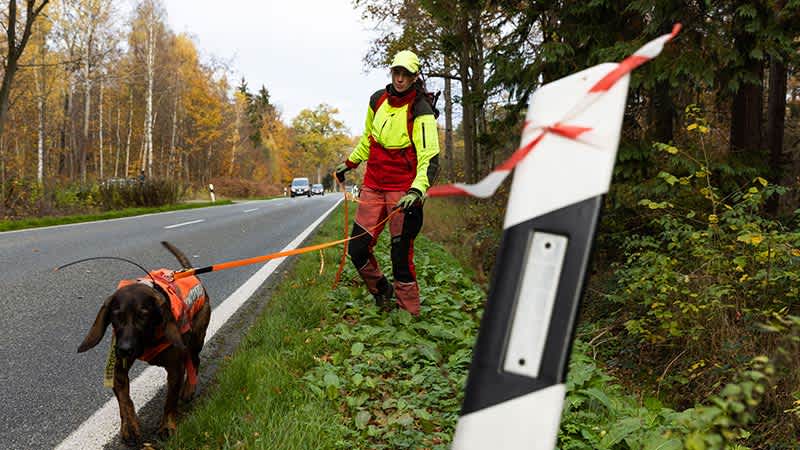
column 693, row 299
column 89, row 96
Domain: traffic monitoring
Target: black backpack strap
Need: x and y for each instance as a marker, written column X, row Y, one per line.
column 377, row 99
column 425, row 103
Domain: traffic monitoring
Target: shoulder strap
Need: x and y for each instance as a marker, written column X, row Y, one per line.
column 381, row 99
column 410, row 119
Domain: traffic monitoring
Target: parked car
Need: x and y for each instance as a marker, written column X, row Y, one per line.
column 317, row 189
column 301, row 186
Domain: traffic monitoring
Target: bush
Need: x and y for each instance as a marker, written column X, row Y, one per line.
column 126, row 193
column 599, row 415
column 239, row 188
column 696, row 277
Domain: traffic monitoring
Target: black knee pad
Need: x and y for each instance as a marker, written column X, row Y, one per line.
column 358, row 248
column 412, row 222
column 401, row 251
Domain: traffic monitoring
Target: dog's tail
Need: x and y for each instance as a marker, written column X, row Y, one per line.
column 178, row 254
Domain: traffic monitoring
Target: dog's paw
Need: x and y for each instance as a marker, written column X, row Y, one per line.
column 167, row 428
column 165, row 432
column 131, row 440
column 129, row 434
column 187, row 392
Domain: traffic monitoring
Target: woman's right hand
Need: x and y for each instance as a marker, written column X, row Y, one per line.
column 340, row 171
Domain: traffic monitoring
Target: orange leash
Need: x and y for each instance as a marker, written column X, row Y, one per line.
column 344, row 250
column 257, row 259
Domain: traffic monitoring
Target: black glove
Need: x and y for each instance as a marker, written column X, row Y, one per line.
column 340, row 170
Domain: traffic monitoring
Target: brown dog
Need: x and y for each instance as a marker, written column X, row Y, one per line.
column 159, row 320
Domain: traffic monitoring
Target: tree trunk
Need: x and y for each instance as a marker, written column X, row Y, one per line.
column 235, row 142
column 143, row 157
column 40, row 106
column 2, row 179
column 14, row 50
column 746, row 118
column 779, row 169
column 662, row 113
column 5, row 89
column 148, row 116
column 87, row 85
column 117, row 143
column 448, row 128
column 72, row 132
column 130, row 132
column 173, row 136
column 62, row 141
column 747, row 101
column 478, row 94
column 468, row 116
column 100, row 128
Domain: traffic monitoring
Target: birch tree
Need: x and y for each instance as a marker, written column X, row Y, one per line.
column 151, row 14
column 42, row 91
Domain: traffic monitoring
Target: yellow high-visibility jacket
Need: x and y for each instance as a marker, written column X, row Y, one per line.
column 400, row 142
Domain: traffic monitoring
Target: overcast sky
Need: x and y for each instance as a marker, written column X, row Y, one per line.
column 305, row 52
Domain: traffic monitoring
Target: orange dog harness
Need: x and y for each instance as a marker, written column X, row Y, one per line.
column 186, row 297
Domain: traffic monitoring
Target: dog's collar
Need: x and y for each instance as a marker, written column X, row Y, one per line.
column 157, row 287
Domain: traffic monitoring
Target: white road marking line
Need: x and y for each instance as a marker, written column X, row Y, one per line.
column 251, row 210
column 184, row 223
column 102, row 426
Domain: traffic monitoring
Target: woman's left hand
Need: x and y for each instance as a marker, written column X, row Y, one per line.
column 408, row 200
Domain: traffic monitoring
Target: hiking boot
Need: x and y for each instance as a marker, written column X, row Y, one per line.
column 384, row 300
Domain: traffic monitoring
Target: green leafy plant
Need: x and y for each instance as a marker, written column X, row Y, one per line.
column 694, row 268
column 398, row 379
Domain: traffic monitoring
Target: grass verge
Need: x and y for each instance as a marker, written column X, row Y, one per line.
column 324, row 369
column 38, row 222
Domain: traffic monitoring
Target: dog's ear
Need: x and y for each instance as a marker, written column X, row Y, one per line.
column 98, row 329
column 171, row 331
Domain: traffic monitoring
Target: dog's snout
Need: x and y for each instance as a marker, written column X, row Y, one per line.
column 125, row 347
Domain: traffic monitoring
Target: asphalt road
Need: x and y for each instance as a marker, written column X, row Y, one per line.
column 46, row 389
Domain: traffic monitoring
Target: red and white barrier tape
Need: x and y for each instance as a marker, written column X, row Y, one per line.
column 487, row 186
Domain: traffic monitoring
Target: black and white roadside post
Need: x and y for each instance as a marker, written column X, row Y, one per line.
column 211, row 192
column 516, row 385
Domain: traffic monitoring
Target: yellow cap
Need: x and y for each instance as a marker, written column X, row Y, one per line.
column 406, row 59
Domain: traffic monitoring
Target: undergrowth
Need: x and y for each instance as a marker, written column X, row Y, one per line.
column 326, row 369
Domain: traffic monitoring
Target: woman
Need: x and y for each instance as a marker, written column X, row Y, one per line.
column 400, row 145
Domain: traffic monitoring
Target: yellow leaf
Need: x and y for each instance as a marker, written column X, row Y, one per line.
column 712, row 218
column 703, row 129
column 756, row 239
column 795, row 252
column 762, row 181
column 691, row 127
column 744, row 278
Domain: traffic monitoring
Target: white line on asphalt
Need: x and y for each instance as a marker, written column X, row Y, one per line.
column 251, row 210
column 99, row 429
column 185, row 223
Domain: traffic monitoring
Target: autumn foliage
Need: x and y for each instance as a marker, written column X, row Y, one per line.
column 101, row 97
